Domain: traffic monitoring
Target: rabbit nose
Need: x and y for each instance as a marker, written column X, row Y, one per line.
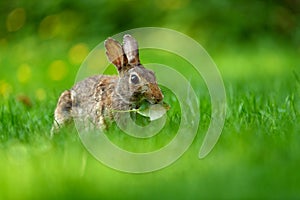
column 158, row 97
column 154, row 94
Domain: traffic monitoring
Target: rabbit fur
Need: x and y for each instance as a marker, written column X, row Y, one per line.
column 98, row 98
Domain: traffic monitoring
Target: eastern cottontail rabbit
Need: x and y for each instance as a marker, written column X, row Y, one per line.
column 98, row 97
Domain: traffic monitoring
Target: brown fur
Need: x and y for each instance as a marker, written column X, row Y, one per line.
column 98, row 99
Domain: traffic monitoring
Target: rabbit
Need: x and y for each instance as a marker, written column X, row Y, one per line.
column 97, row 98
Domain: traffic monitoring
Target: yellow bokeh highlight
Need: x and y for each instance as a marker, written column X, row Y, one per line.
column 49, row 27
column 16, row 19
column 78, row 52
column 40, row 94
column 5, row 88
column 171, row 4
column 24, row 73
column 98, row 61
column 3, row 42
column 58, row 70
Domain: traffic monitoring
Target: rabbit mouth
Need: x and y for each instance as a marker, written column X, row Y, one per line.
column 155, row 99
column 151, row 101
column 150, row 96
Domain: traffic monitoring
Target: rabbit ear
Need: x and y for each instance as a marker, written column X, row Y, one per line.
column 115, row 53
column 131, row 50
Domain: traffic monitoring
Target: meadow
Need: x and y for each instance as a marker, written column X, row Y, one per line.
column 257, row 154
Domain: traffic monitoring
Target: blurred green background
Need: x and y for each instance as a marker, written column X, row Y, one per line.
column 256, row 46
column 245, row 38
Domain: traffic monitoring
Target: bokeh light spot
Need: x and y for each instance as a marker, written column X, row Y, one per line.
column 40, row 94
column 3, row 42
column 58, row 70
column 15, row 19
column 49, row 27
column 96, row 63
column 171, row 4
column 5, row 88
column 78, row 53
column 24, row 73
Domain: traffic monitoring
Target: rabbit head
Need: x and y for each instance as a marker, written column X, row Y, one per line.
column 135, row 82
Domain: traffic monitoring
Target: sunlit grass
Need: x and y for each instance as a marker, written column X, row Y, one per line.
column 255, row 45
column 257, row 155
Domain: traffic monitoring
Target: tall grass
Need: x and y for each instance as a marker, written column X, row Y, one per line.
column 257, row 155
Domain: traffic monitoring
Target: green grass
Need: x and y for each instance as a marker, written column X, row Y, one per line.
column 257, row 155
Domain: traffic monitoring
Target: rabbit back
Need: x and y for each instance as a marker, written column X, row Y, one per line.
column 92, row 99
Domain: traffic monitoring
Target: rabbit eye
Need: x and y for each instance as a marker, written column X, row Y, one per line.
column 134, row 79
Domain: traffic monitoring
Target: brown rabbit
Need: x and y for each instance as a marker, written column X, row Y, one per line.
column 98, row 97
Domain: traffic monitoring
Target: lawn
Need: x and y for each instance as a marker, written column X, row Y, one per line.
column 254, row 44
column 257, row 155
